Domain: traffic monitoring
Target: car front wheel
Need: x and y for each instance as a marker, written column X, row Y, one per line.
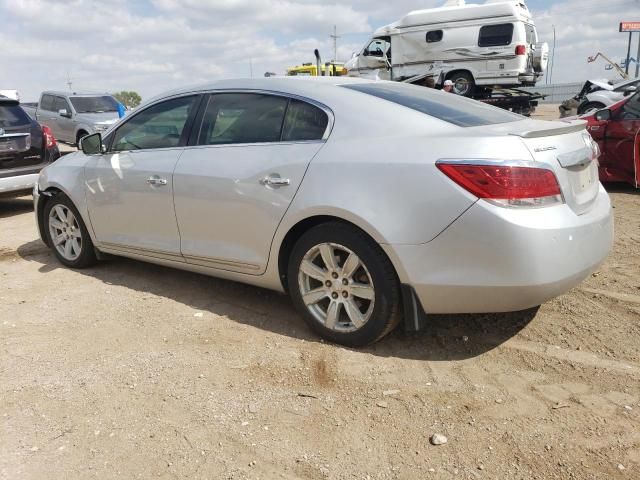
column 344, row 285
column 67, row 234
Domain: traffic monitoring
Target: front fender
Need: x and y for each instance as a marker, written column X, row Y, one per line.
column 67, row 176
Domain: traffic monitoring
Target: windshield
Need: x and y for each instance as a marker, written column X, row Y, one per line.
column 99, row 104
column 449, row 107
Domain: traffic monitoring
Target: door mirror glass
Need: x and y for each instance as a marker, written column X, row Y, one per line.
column 603, row 115
column 64, row 113
column 92, row 144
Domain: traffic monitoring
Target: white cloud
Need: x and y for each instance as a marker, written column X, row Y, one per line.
column 108, row 45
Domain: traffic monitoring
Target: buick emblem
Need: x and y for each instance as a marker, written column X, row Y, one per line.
column 543, row 149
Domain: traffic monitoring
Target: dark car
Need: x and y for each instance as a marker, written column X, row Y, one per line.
column 25, row 149
column 617, row 131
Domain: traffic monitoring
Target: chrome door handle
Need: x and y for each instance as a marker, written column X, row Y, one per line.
column 156, row 181
column 275, row 181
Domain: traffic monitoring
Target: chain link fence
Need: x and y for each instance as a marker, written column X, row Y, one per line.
column 556, row 93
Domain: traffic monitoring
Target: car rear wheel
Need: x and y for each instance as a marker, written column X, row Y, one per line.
column 67, row 234
column 344, row 285
column 590, row 106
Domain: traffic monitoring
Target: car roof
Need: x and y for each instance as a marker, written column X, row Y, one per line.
column 73, row 94
column 294, row 85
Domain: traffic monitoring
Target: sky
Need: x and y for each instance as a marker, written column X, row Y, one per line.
column 154, row 45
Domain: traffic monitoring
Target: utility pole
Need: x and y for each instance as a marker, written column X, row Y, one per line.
column 335, row 38
column 69, row 82
column 251, row 67
column 553, row 54
column 626, row 63
column 638, row 57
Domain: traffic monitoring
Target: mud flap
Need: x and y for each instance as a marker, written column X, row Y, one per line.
column 415, row 319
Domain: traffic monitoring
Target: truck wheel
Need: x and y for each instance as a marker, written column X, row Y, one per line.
column 81, row 134
column 463, row 83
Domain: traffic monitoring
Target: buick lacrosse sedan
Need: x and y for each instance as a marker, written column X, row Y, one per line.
column 370, row 203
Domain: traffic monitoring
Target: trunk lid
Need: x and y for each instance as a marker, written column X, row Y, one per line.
column 20, row 148
column 571, row 152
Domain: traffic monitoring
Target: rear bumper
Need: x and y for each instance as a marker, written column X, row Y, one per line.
column 18, row 183
column 495, row 259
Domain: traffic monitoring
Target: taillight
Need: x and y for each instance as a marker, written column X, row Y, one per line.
column 49, row 139
column 521, row 49
column 504, row 185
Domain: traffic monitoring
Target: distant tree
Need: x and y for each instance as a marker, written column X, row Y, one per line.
column 129, row 99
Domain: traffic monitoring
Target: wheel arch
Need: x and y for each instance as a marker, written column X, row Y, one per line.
column 79, row 130
column 458, row 70
column 45, row 196
column 303, row 225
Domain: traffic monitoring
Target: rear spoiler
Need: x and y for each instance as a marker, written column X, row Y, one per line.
column 575, row 126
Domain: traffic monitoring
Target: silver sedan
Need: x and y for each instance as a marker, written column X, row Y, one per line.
column 370, row 203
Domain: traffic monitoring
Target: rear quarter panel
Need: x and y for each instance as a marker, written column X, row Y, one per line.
column 390, row 187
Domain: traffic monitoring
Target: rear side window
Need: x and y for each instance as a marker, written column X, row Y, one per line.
column 242, row 118
column 13, row 116
column 434, row 36
column 495, row 35
column 451, row 108
column 46, row 103
column 304, row 122
column 159, row 126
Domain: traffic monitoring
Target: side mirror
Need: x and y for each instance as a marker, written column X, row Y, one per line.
column 64, row 113
column 92, row 144
column 603, row 115
column 629, row 90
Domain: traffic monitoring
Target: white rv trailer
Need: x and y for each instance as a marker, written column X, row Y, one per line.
column 487, row 45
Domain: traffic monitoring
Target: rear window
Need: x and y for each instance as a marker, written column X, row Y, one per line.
column 13, row 116
column 532, row 37
column 495, row 35
column 449, row 107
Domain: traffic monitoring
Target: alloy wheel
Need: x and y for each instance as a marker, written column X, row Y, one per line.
column 336, row 287
column 65, row 232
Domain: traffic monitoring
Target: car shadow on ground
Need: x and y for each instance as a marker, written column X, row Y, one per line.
column 15, row 206
column 447, row 337
column 621, row 188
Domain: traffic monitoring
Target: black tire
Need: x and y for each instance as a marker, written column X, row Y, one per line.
column 79, row 136
column 87, row 255
column 588, row 106
column 460, row 78
column 385, row 313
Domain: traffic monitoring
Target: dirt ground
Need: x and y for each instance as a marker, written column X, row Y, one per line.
column 130, row 370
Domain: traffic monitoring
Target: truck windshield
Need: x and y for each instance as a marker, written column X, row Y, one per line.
column 449, row 107
column 104, row 103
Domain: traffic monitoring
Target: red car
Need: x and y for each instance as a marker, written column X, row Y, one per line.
column 617, row 131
